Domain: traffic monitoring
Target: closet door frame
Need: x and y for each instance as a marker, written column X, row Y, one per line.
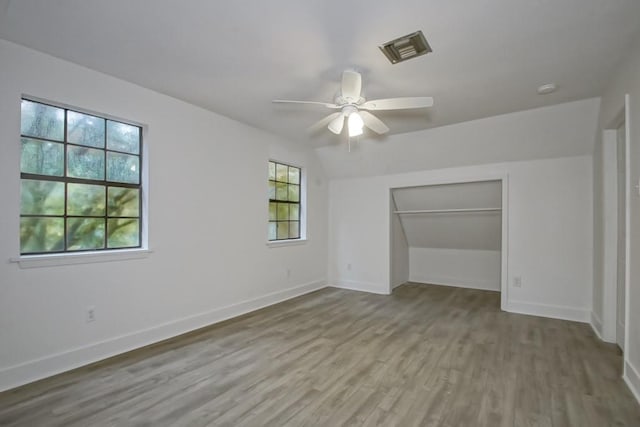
column 503, row 178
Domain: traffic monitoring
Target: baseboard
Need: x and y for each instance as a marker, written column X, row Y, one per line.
column 34, row 370
column 596, row 325
column 547, row 310
column 395, row 285
column 353, row 285
column 484, row 285
column 632, row 378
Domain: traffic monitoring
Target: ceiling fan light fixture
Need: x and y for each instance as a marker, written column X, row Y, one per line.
column 355, row 110
column 355, row 124
column 336, row 124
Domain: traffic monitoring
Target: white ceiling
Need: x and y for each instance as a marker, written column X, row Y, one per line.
column 234, row 57
column 461, row 230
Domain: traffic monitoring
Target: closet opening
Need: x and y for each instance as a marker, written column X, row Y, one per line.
column 450, row 234
column 616, row 217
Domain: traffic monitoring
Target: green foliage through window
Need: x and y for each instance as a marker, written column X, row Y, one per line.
column 284, row 202
column 80, row 181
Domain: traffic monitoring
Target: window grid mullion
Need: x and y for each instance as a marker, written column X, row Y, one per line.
column 71, row 180
column 140, row 199
column 66, row 183
column 106, row 191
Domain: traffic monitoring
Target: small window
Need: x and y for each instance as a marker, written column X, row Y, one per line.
column 284, row 202
column 80, row 181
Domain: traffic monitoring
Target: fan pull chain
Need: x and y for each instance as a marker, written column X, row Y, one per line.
column 349, row 139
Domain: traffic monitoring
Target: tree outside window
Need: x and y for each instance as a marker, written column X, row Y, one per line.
column 284, row 202
column 80, row 181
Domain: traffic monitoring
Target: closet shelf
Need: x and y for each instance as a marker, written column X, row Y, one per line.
column 430, row 211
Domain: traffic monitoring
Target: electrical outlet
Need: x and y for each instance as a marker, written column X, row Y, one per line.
column 91, row 314
column 288, row 273
column 517, row 282
column 349, row 266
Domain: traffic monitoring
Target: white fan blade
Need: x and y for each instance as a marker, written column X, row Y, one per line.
column 351, row 85
column 288, row 101
column 373, row 123
column 398, row 103
column 337, row 124
column 323, row 122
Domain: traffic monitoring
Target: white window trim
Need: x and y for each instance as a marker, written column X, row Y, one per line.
column 288, row 242
column 70, row 258
column 107, row 255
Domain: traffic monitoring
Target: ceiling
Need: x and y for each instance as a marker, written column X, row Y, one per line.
column 470, row 230
column 233, row 58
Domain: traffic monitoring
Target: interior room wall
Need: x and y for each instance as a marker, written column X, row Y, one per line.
column 207, row 228
column 400, row 265
column 465, row 268
column 624, row 80
column 604, row 322
column 597, row 313
column 562, row 130
column 549, row 231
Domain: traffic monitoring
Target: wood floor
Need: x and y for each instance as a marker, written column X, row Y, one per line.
column 425, row 356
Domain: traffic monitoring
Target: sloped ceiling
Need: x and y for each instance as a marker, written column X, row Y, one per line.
column 234, row 57
column 447, row 230
column 562, row 130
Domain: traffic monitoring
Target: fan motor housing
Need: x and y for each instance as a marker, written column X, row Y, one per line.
column 340, row 100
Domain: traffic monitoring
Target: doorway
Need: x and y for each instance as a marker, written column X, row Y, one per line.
column 450, row 233
column 616, row 216
column 621, row 183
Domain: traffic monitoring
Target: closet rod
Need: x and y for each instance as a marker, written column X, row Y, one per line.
column 424, row 211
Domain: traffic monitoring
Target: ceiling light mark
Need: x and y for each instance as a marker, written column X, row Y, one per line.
column 548, row 88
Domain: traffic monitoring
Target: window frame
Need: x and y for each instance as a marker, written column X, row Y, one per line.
column 105, row 253
column 302, row 216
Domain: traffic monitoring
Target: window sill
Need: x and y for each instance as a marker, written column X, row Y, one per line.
column 53, row 260
column 282, row 243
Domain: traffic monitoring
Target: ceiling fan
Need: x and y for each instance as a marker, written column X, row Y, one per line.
column 356, row 109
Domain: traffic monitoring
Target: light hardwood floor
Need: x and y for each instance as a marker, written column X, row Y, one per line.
column 425, row 356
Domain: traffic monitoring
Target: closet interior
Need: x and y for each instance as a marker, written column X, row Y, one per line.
column 447, row 234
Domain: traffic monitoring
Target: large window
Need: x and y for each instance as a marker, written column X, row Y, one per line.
column 284, row 202
column 80, row 181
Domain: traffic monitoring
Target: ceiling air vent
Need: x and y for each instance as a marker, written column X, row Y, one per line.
column 406, row 47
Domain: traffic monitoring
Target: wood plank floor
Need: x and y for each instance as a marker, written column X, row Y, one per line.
column 425, row 356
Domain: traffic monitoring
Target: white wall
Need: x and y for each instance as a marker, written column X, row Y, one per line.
column 207, row 228
column 549, row 231
column 563, row 130
column 461, row 230
column 604, row 297
column 449, row 230
column 399, row 250
column 477, row 269
column 625, row 80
